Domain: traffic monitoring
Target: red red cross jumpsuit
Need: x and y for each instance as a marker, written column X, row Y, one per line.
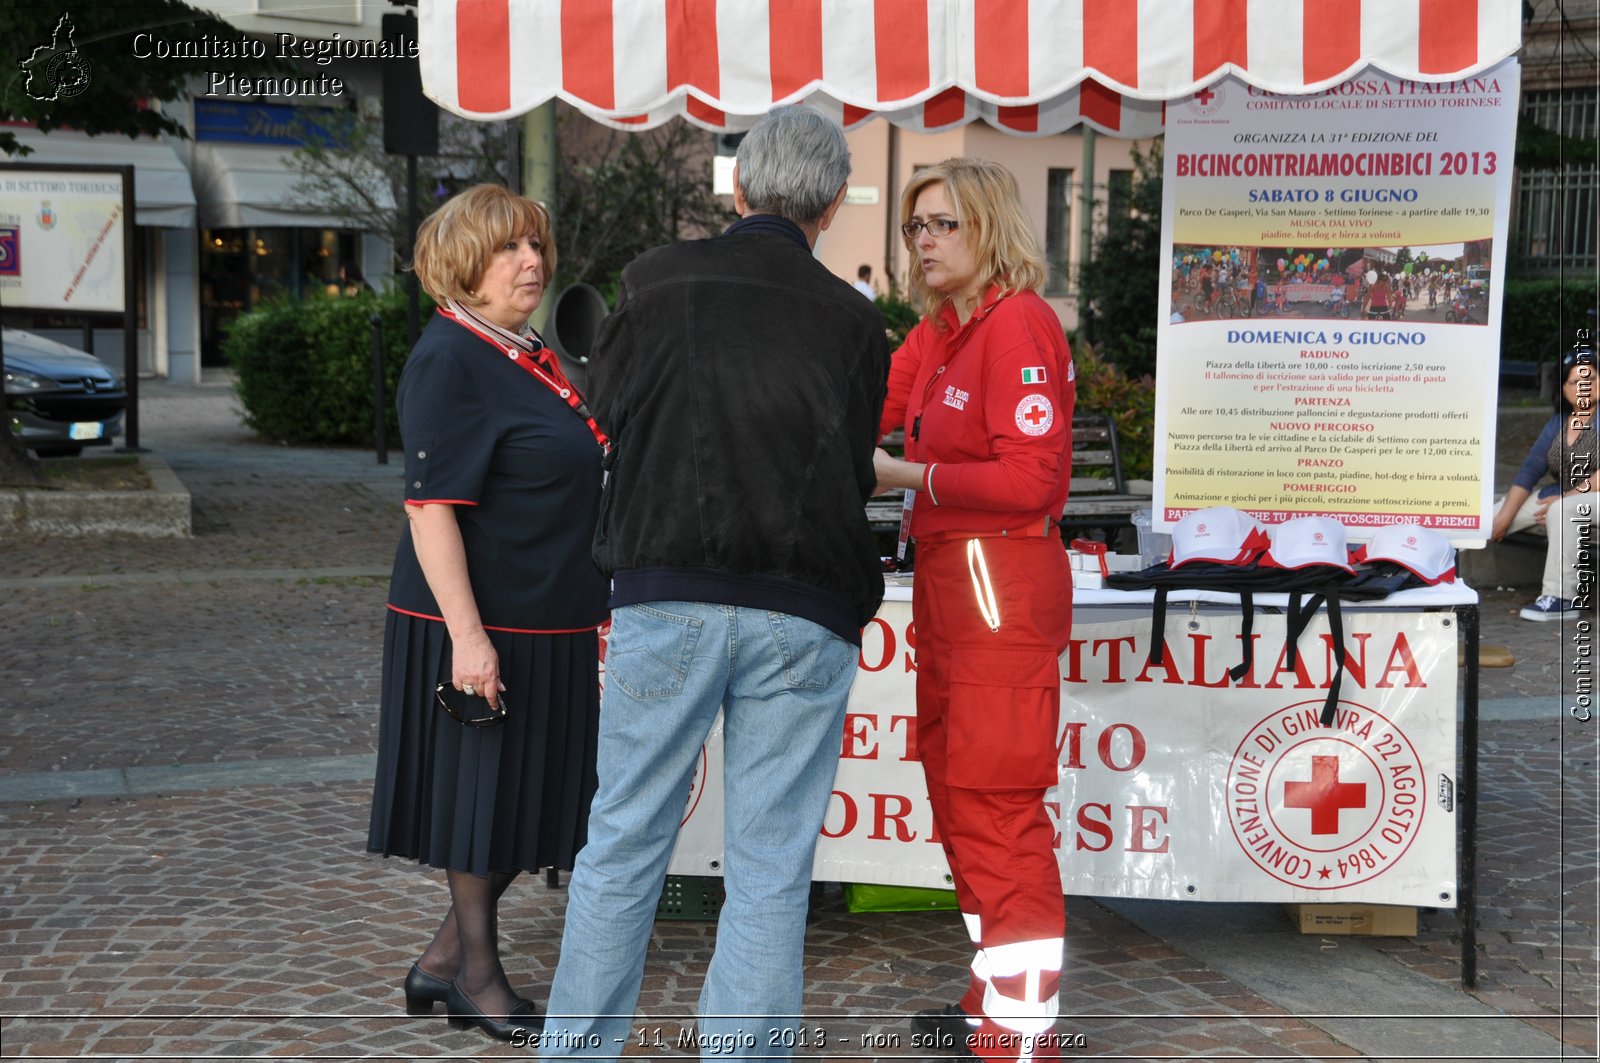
column 988, row 407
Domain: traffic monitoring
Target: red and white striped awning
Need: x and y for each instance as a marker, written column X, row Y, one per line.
column 1031, row 67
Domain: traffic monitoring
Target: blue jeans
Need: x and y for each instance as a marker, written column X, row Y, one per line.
column 782, row 683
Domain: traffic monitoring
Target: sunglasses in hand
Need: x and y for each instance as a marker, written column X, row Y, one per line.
column 470, row 710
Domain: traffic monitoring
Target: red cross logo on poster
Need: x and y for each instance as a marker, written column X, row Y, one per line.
column 1325, row 807
column 1207, row 101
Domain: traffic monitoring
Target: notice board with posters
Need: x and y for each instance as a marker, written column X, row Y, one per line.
column 64, row 238
column 1329, row 333
column 1176, row 783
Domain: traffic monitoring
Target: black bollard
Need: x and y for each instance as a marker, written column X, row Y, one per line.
column 380, row 426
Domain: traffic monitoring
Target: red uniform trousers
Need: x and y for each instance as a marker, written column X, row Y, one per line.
column 988, row 708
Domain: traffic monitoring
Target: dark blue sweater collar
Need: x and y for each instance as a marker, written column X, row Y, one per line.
column 769, row 223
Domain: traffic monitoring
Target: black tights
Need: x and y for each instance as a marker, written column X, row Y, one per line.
column 467, row 944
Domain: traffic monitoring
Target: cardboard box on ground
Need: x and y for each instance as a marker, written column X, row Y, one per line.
column 1380, row 920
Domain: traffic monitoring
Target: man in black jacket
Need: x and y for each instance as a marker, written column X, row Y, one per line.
column 740, row 383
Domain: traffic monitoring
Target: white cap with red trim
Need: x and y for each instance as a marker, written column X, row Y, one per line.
column 1306, row 541
column 1424, row 552
column 1220, row 534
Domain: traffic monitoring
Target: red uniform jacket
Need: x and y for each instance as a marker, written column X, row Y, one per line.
column 988, row 406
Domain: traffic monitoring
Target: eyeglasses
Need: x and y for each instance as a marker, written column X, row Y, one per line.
column 445, row 693
column 936, row 227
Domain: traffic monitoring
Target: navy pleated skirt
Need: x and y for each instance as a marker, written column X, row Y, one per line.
column 509, row 798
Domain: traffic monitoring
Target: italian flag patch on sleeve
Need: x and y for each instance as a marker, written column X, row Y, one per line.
column 1033, row 375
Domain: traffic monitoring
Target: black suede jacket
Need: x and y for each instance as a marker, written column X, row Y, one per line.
column 741, row 383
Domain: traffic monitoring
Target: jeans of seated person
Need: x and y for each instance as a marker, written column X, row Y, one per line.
column 782, row 683
column 1572, row 518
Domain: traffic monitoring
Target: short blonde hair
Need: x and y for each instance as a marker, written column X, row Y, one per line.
column 455, row 242
column 987, row 204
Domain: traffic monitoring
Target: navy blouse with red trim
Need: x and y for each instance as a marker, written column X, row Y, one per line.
column 521, row 468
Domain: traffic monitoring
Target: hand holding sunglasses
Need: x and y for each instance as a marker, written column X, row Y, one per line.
column 469, row 708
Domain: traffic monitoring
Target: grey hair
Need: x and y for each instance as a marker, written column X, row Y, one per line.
column 792, row 164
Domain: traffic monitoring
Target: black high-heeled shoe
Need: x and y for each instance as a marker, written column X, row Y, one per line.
column 464, row 1013
column 423, row 991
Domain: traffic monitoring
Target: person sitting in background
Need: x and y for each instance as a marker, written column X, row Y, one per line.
column 1566, row 451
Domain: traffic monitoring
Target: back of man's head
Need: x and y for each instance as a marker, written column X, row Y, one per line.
column 792, row 164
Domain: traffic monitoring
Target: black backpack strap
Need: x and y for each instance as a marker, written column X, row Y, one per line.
column 1247, row 618
column 1300, row 614
column 1158, row 627
column 1336, row 625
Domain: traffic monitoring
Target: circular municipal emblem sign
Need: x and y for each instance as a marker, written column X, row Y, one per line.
column 68, row 74
column 1325, row 807
column 1035, row 415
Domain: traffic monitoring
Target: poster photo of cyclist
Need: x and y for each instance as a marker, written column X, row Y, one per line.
column 1442, row 283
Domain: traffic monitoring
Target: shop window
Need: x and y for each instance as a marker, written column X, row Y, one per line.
column 242, row 268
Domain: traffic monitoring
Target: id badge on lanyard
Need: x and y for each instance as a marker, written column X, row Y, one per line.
column 905, row 525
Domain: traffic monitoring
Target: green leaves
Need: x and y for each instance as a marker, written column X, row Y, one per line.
column 304, row 369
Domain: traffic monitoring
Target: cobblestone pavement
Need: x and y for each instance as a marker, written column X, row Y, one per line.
column 240, row 918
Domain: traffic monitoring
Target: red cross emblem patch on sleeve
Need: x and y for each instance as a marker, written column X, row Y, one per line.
column 1035, row 415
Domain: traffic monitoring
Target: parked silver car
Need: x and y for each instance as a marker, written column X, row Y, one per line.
column 59, row 399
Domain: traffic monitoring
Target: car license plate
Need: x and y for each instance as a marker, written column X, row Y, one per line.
column 87, row 429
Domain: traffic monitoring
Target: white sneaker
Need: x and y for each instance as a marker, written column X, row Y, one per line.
column 1549, row 607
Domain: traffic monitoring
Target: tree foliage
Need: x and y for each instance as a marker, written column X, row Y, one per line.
column 345, row 173
column 1121, row 281
column 620, row 194
column 119, row 84
column 304, row 368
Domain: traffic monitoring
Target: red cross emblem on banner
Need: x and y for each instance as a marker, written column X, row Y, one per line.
column 1205, row 96
column 1325, row 795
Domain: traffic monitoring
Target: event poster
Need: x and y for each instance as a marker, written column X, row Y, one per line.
column 61, row 240
column 1329, row 336
column 1175, row 782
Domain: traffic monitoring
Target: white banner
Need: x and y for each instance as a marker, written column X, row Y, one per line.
column 1176, row 782
column 61, row 240
column 1329, row 340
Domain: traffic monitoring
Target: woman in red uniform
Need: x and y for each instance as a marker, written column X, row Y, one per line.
column 983, row 387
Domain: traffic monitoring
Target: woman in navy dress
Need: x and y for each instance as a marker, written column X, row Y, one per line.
column 487, row 731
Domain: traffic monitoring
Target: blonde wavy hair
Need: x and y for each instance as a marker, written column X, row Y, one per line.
column 989, row 208
column 455, row 242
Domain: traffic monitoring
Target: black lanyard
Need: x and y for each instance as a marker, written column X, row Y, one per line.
column 927, row 389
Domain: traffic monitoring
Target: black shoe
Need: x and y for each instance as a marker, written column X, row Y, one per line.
column 464, row 1013
column 943, row 1029
column 423, row 991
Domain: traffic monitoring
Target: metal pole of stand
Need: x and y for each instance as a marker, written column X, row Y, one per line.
column 413, row 298
column 380, row 423
column 1467, row 800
